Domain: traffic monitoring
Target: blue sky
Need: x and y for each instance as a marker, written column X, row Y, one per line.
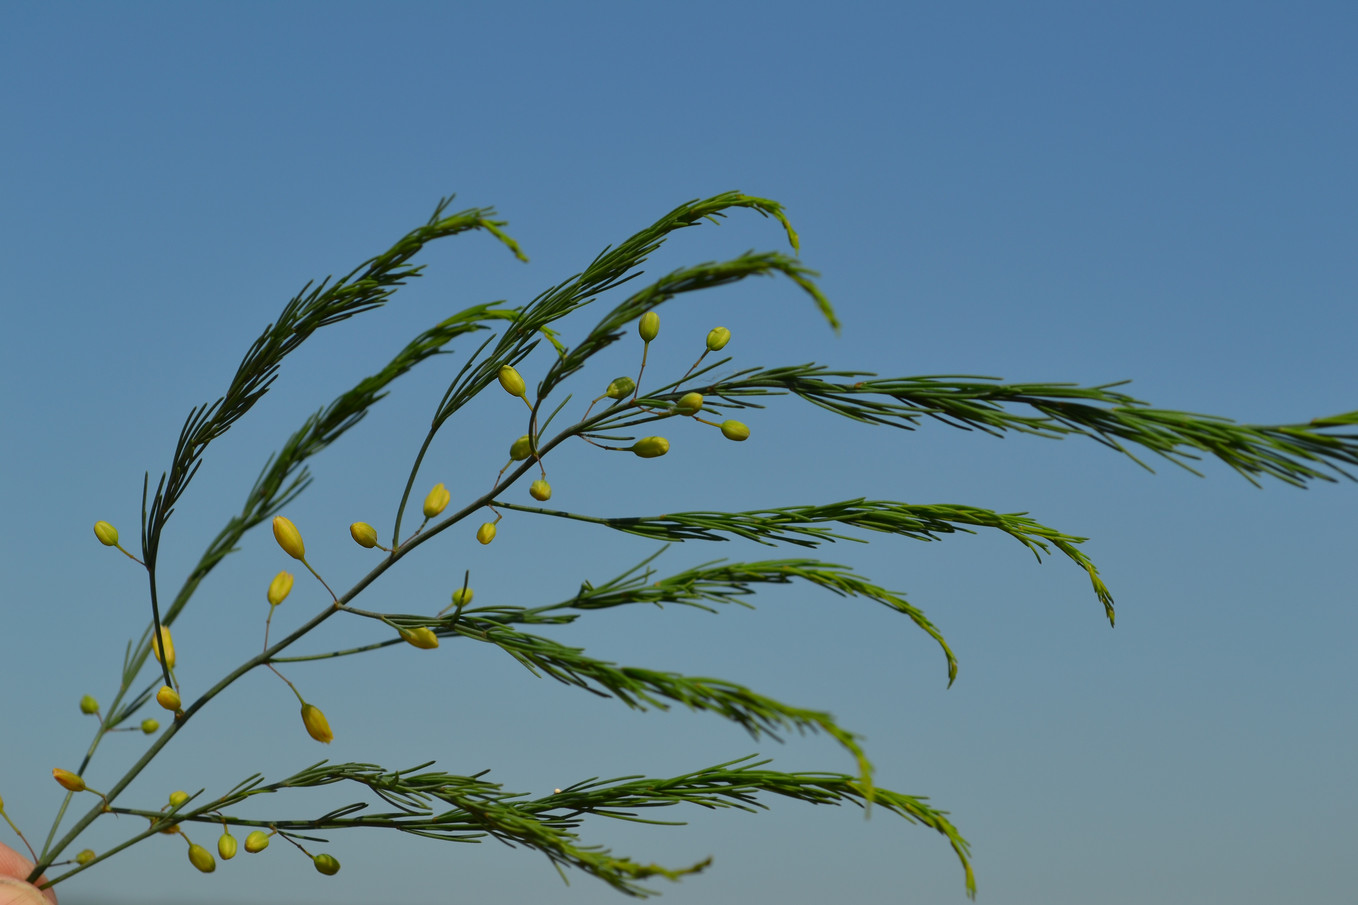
column 1057, row 191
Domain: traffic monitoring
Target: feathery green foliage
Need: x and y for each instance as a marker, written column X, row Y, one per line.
column 471, row 808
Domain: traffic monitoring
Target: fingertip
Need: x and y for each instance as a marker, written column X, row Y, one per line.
column 17, row 892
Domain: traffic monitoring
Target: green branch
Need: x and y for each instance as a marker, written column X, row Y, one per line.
column 801, row 525
column 1292, row 453
column 470, row 809
column 721, row 583
column 366, row 287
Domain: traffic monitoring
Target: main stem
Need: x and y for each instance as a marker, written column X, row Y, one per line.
column 265, row 656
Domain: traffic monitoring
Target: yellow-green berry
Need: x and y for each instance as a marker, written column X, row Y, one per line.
column 326, row 864
column 521, row 448
column 364, row 535
column 226, row 846
column 149, row 726
column 462, row 597
column 316, row 724
column 85, row 857
column 68, row 780
column 168, row 698
column 435, row 502
column 486, row 533
column 649, row 326
column 512, row 382
column 540, row 490
column 717, row 338
column 202, row 859
column 421, row 637
column 288, row 537
column 689, row 404
column 167, row 643
column 178, row 798
column 88, row 705
column 734, row 430
column 650, row 447
column 279, row 588
column 256, row 842
column 107, row 534
column 620, row 388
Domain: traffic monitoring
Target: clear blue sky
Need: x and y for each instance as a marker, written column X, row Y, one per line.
column 1046, row 191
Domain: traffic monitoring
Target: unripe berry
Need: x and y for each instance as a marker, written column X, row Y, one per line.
column 521, row 448
column 364, row 535
column 288, row 537
column 178, row 798
column 421, row 637
column 226, row 846
column 88, row 705
column 165, row 642
column 107, row 534
column 620, row 388
column 734, row 430
column 149, row 726
column 168, row 698
column 512, row 382
column 435, row 502
column 326, row 864
column 650, row 447
column 316, row 724
column 462, row 596
column 279, row 588
column 717, row 338
column 689, row 404
column 540, row 490
column 68, row 780
column 85, row 857
column 649, row 326
column 256, row 842
column 202, row 859
column 486, row 533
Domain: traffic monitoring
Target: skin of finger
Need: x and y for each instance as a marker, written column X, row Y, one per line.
column 17, row 892
column 14, row 867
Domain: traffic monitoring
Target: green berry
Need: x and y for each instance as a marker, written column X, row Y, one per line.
column 88, row 705
column 226, row 846
column 620, row 388
column 650, row 447
column 649, row 326
column 689, row 404
column 717, row 339
column 512, row 382
column 326, row 864
column 422, row 637
column 521, row 448
column 202, row 859
column 734, row 430
column 107, row 534
column 257, row 841
column 364, row 535
column 540, row 490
